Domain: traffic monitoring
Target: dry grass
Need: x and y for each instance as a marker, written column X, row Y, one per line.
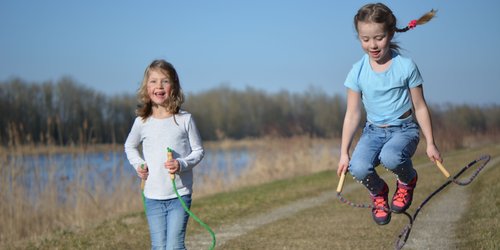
column 38, row 199
column 271, row 159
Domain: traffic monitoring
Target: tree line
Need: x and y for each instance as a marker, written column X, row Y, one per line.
column 65, row 112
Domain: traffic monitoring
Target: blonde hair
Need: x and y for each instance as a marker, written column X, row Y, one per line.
column 176, row 96
column 380, row 13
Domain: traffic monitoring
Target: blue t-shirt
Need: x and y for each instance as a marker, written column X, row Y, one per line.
column 385, row 95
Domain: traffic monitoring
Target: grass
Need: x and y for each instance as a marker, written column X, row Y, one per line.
column 333, row 225
column 479, row 228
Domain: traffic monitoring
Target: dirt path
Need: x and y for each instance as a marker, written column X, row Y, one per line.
column 244, row 226
column 433, row 228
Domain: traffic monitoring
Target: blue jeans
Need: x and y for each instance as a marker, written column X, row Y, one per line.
column 392, row 146
column 167, row 222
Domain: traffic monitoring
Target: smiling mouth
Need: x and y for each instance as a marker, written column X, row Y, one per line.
column 160, row 94
column 375, row 53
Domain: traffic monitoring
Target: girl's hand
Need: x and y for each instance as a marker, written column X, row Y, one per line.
column 142, row 172
column 343, row 164
column 172, row 166
column 433, row 153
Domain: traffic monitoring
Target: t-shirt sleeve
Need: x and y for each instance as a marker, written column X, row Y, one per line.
column 351, row 80
column 414, row 79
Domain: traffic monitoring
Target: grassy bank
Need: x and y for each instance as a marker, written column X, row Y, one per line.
column 332, row 225
column 32, row 210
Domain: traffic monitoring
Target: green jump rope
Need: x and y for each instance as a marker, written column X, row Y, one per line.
column 172, row 178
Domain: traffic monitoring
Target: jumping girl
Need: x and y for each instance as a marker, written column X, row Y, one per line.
column 390, row 88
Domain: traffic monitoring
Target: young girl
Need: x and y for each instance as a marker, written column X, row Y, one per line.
column 160, row 124
column 390, row 88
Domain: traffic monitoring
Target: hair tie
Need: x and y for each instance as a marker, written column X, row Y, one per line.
column 412, row 24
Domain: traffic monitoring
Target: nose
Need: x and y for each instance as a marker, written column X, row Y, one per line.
column 373, row 44
column 159, row 84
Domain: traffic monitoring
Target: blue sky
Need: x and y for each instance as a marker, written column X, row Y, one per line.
column 268, row 45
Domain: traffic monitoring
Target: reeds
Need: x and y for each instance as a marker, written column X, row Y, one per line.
column 272, row 159
column 39, row 196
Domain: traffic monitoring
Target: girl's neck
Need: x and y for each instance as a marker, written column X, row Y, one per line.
column 161, row 112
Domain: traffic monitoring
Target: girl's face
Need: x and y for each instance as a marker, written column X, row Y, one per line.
column 375, row 41
column 159, row 87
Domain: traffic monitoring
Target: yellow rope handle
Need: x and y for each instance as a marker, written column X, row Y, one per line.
column 170, row 156
column 443, row 170
column 341, row 182
column 142, row 180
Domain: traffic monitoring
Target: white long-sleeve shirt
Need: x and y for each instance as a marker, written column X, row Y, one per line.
column 156, row 135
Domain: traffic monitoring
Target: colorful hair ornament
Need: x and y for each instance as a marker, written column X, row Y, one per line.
column 412, row 24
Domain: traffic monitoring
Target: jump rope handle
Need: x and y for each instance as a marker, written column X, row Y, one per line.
column 142, row 180
column 170, row 156
column 341, row 182
column 443, row 170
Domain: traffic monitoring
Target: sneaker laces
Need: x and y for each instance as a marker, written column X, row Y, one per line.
column 401, row 195
column 380, row 206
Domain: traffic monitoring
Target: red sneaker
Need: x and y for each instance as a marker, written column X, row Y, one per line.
column 403, row 196
column 381, row 213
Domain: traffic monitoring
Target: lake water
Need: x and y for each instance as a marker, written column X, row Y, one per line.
column 107, row 168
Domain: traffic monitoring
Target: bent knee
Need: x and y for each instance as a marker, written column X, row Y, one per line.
column 393, row 160
column 359, row 170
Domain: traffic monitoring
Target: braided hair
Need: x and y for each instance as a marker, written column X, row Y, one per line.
column 422, row 20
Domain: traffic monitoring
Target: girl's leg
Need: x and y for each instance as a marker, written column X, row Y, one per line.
column 397, row 152
column 366, row 157
column 396, row 156
column 177, row 223
column 157, row 219
column 362, row 166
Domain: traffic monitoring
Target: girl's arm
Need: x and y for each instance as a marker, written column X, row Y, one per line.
column 424, row 120
column 197, row 151
column 351, row 122
column 132, row 143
